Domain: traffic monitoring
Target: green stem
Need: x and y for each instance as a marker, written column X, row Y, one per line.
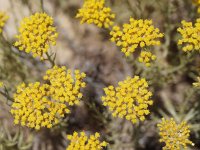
column 5, row 44
column 99, row 115
column 130, row 7
column 7, row 97
column 50, row 60
column 42, row 5
column 183, row 63
column 136, row 131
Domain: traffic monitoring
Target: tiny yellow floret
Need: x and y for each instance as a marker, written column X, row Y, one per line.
column 3, row 19
column 175, row 136
column 130, row 100
column 197, row 84
column 1, row 84
column 36, row 34
column 80, row 141
column 94, row 11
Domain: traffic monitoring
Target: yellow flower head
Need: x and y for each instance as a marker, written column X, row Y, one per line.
column 36, row 34
column 129, row 100
column 190, row 36
column 34, row 108
column 174, row 135
column 94, row 11
column 3, row 19
column 65, row 86
column 138, row 33
column 44, row 105
column 79, row 141
column 146, row 58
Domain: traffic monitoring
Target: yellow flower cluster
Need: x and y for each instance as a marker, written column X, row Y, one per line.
column 37, row 34
column 146, row 58
column 79, row 141
column 33, row 107
column 44, row 105
column 94, row 11
column 190, row 35
column 3, row 19
column 197, row 2
column 197, row 84
column 174, row 135
column 138, row 33
column 129, row 100
column 63, row 86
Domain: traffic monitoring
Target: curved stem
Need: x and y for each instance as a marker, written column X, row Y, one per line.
column 6, row 95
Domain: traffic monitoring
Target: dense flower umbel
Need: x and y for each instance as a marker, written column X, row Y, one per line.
column 129, row 100
column 79, row 141
column 94, row 11
column 190, row 36
column 44, row 105
column 34, row 108
column 138, row 33
column 146, row 58
column 3, row 19
column 64, row 86
column 36, row 34
column 174, row 135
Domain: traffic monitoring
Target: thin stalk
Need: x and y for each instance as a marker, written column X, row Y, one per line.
column 8, row 98
column 99, row 114
column 42, row 5
column 52, row 61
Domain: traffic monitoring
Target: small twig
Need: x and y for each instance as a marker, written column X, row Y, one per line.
column 12, row 10
column 99, row 114
column 52, row 61
column 183, row 63
column 42, row 5
column 6, row 94
column 130, row 7
column 5, row 44
column 7, row 97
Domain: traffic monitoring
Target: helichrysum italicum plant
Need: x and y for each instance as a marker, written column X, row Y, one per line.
column 190, row 36
column 80, row 141
column 3, row 19
column 129, row 100
column 64, row 86
column 36, row 34
column 146, row 58
column 137, row 33
column 175, row 136
column 34, row 108
column 44, row 105
column 94, row 11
